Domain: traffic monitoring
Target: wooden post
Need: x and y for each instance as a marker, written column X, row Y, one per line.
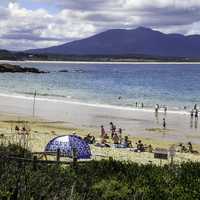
column 34, row 104
column 58, row 155
column 74, row 157
column 172, row 161
column 34, row 163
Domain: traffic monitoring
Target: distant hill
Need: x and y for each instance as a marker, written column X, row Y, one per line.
column 139, row 41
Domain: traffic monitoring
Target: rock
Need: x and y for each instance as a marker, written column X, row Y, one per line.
column 64, row 70
column 18, row 69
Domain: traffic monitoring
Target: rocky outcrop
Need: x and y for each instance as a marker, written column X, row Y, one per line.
column 18, row 69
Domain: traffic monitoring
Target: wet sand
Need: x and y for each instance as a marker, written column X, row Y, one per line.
column 138, row 123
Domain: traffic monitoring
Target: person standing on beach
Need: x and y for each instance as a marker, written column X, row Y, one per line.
column 164, row 123
column 103, row 132
column 120, row 134
column 156, row 108
column 196, row 114
column 165, row 110
column 136, row 104
column 112, row 129
column 192, row 114
column 142, row 105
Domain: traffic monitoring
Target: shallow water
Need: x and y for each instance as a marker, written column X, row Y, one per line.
column 174, row 85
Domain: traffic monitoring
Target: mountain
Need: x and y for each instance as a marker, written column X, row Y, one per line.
column 139, row 41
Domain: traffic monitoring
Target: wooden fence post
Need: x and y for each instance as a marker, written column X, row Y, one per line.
column 58, row 155
column 74, row 157
column 34, row 163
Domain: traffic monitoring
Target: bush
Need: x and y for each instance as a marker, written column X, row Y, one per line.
column 99, row 180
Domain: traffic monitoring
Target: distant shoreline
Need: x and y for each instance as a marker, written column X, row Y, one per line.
column 102, row 62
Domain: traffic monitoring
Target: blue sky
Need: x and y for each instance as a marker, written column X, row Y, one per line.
column 27, row 24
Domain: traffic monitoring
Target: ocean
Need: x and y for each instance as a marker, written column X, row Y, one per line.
column 173, row 85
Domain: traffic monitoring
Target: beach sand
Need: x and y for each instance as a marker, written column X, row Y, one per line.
column 55, row 118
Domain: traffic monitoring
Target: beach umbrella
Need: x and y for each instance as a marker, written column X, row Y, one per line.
column 69, row 144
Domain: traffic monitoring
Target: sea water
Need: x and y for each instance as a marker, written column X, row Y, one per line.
column 121, row 85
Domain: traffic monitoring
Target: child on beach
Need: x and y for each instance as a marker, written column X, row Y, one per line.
column 164, row 123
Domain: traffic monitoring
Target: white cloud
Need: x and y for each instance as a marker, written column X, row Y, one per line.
column 22, row 28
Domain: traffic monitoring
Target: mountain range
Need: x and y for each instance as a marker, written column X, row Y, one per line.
column 139, row 41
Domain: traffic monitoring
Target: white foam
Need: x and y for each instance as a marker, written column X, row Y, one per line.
column 97, row 105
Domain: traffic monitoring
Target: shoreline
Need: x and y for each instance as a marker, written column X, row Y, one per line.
column 134, row 122
column 98, row 105
column 101, row 62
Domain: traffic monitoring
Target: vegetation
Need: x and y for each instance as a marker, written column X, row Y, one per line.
column 20, row 56
column 99, row 180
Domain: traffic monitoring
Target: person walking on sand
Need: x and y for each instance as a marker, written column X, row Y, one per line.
column 164, row 123
column 142, row 105
column 136, row 104
column 196, row 114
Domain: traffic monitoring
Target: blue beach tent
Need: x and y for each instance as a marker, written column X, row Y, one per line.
column 67, row 144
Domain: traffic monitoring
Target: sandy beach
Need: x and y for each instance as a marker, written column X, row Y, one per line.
column 55, row 118
column 134, row 121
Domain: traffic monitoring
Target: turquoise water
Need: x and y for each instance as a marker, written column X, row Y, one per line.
column 168, row 84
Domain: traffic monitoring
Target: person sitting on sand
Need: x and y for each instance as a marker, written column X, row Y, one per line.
column 183, row 149
column 150, row 148
column 115, row 138
column 103, row 143
column 140, row 146
column 127, row 142
column 190, row 148
column 17, row 129
column 89, row 139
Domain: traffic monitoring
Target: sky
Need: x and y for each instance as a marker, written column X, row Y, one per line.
column 29, row 24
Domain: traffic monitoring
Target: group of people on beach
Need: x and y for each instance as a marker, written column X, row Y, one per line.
column 186, row 149
column 139, row 104
column 157, row 107
column 115, row 136
column 21, row 131
column 119, row 141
